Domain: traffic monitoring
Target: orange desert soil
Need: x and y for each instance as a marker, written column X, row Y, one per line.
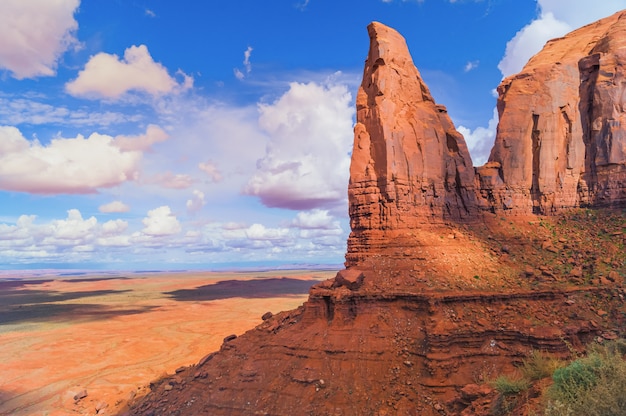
column 110, row 335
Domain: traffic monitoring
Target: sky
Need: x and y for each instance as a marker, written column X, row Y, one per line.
column 151, row 134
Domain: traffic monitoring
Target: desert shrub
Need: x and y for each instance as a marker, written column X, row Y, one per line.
column 591, row 386
column 507, row 386
column 539, row 365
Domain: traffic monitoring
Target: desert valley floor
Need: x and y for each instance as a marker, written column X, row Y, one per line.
column 110, row 334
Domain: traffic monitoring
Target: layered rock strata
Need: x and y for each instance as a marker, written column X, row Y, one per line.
column 561, row 135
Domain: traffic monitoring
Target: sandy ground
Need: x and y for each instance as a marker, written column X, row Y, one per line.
column 111, row 334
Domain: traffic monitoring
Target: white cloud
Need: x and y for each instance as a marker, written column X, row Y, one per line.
column 114, row 206
column 529, row 41
column 260, row 232
column 196, row 203
column 471, row 65
column 556, row 18
column 306, row 164
column 246, row 63
column 246, row 59
column 74, row 227
column 161, row 222
column 315, row 219
column 34, row 34
column 107, row 76
column 72, row 165
column 238, row 74
column 480, row 140
column 154, row 134
column 114, row 227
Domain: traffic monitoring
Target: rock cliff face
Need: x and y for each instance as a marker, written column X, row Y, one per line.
column 410, row 166
column 560, row 140
column 443, row 292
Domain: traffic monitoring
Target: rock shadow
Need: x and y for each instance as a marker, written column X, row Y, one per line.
column 94, row 279
column 64, row 312
column 22, row 305
column 258, row 288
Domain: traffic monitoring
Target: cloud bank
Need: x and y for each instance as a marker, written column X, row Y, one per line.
column 76, row 165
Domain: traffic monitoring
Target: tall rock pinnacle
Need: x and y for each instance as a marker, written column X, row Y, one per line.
column 409, row 164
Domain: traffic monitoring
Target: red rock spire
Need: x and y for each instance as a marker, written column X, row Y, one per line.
column 409, row 164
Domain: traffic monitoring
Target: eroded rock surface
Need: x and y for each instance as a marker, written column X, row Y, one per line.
column 561, row 139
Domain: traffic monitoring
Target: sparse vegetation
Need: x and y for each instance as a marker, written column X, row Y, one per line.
column 508, row 386
column 539, row 365
column 591, row 386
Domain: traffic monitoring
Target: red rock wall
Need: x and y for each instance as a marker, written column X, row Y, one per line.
column 560, row 141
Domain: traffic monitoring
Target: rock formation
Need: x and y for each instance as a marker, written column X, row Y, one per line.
column 443, row 292
column 560, row 140
column 410, row 167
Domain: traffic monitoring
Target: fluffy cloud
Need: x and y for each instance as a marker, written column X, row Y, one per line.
column 480, row 140
column 154, row 134
column 108, row 76
column 556, row 18
column 34, row 34
column 260, row 232
column 315, row 219
column 74, row 165
column 306, row 162
column 115, row 206
column 529, row 41
column 74, row 228
column 161, row 222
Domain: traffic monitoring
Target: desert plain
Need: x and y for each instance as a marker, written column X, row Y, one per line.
column 108, row 335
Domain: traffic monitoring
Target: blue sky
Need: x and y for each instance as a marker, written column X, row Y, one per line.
column 168, row 135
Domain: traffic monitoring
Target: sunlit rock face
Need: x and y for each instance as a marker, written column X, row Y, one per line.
column 561, row 139
column 409, row 164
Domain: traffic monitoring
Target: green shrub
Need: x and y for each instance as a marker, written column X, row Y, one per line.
column 591, row 386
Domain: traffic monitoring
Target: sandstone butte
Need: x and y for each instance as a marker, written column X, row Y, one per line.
column 453, row 273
